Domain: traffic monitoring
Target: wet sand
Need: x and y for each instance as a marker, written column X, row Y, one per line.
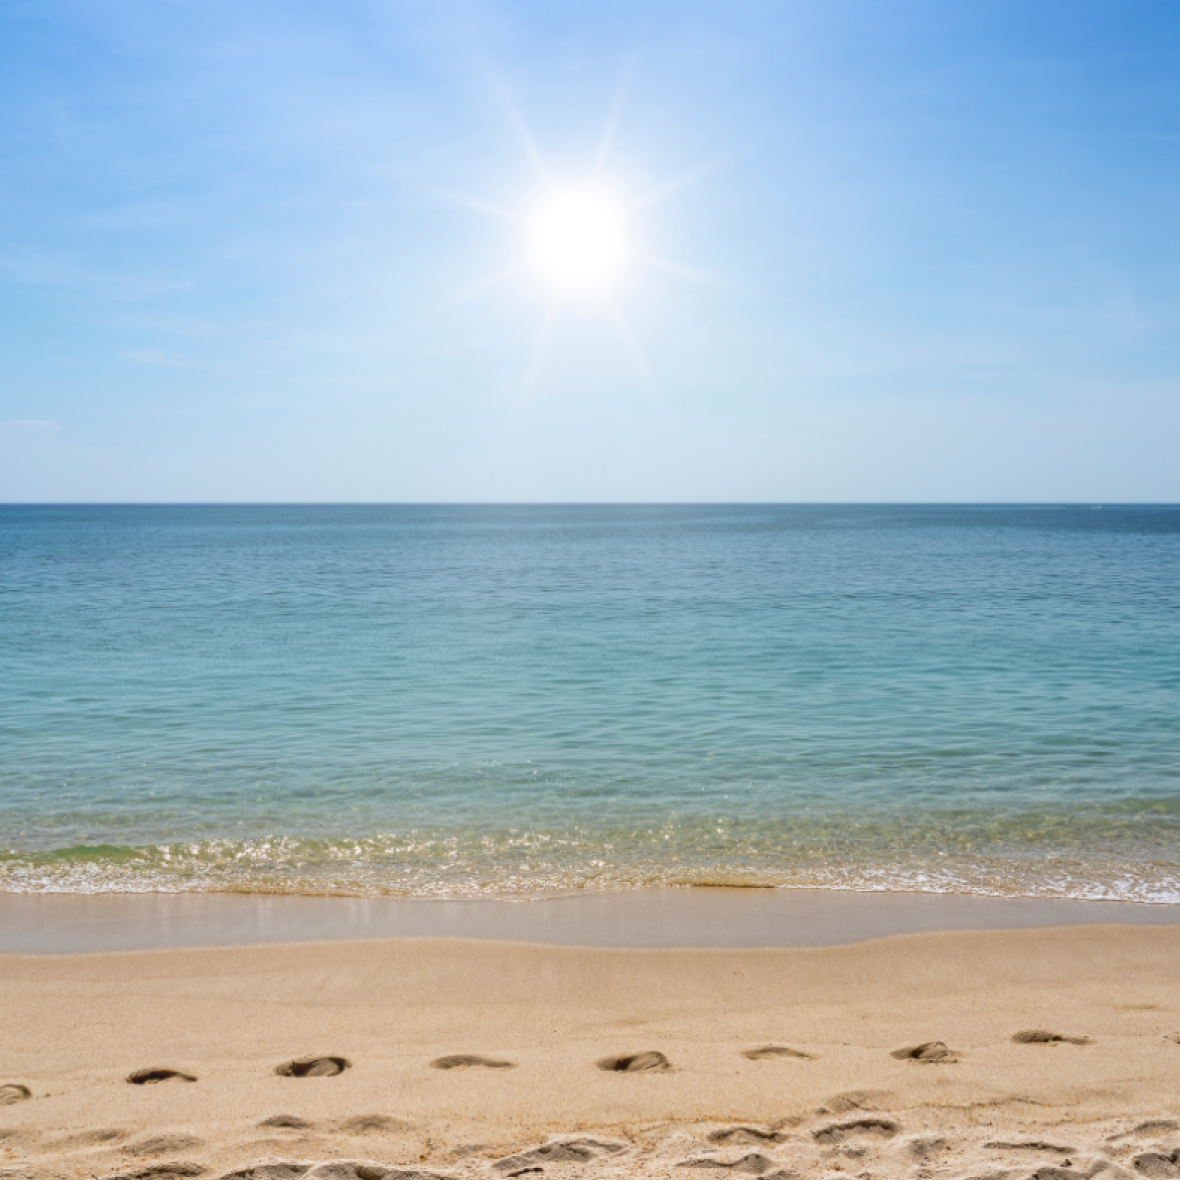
column 1039, row 1053
column 653, row 918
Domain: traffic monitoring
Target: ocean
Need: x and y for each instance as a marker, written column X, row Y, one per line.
column 524, row 701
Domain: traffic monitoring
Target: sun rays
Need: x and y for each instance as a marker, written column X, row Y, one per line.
column 578, row 242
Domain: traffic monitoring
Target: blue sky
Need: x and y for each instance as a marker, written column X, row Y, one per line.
column 910, row 250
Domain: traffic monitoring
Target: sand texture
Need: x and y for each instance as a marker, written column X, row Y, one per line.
column 1038, row 1054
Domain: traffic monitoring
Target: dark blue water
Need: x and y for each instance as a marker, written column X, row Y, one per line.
column 527, row 700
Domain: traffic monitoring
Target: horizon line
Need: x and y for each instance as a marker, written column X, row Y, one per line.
column 1093, row 504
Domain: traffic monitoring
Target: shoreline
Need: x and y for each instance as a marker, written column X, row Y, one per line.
column 65, row 924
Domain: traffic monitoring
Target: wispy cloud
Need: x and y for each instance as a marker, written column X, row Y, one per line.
column 148, row 356
column 35, row 427
column 56, row 270
column 477, row 203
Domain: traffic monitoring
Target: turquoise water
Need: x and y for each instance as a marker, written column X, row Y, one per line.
column 464, row 701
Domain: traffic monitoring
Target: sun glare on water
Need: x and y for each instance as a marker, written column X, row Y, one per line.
column 577, row 241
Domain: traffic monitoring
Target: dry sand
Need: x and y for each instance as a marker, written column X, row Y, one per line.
column 781, row 1063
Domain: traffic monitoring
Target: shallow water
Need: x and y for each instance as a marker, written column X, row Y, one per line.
column 465, row 701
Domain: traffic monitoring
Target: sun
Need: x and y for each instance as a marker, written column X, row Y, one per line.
column 577, row 241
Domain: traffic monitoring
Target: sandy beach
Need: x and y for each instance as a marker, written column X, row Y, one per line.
column 1048, row 1053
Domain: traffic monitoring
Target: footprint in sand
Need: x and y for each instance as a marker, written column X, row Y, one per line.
column 1153, row 1127
column 287, row 1122
column 1041, row 1036
column 562, row 1151
column 12, row 1092
column 328, row 1170
column 164, row 1145
column 754, row 1164
column 858, row 1100
column 150, row 1077
column 924, row 1149
column 313, row 1067
column 748, row 1135
column 371, row 1124
column 89, row 1138
column 1030, row 1145
column 1155, row 1165
column 770, row 1051
column 650, row 1062
column 879, row 1128
column 470, row 1061
column 931, row 1052
column 174, row 1170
